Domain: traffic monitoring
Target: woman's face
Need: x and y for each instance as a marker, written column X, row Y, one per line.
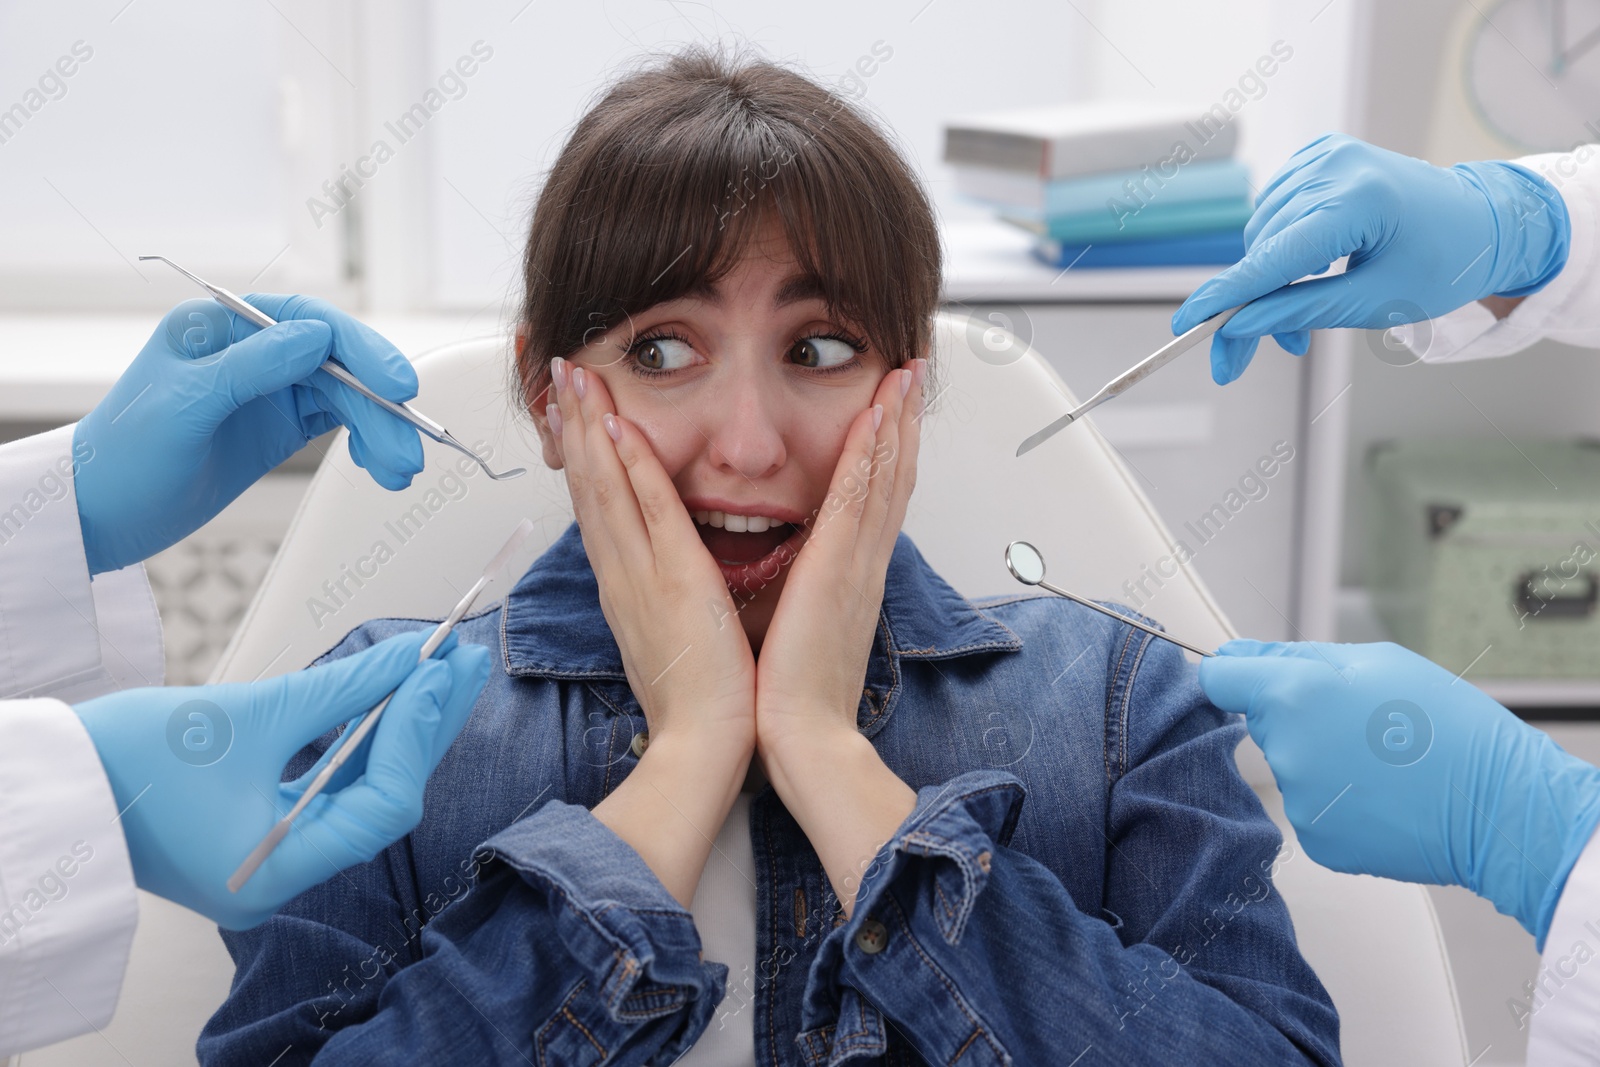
column 745, row 392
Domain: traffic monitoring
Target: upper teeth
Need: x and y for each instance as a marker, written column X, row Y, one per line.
column 736, row 523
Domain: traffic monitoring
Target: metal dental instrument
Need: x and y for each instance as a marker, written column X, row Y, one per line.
column 425, row 425
column 1027, row 566
column 1132, row 376
column 351, row 739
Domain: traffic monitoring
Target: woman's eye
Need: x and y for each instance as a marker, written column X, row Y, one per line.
column 663, row 353
column 821, row 352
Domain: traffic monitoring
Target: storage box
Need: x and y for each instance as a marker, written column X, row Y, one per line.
column 1485, row 554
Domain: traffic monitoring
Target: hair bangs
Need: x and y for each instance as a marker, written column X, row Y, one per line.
column 667, row 180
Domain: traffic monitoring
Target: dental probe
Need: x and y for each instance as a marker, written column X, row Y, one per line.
column 351, row 739
column 1027, row 566
column 425, row 425
column 1132, row 376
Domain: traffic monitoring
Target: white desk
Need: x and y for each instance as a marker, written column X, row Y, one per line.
column 55, row 368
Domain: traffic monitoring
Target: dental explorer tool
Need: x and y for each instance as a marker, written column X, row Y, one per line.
column 1027, row 566
column 425, row 425
column 351, row 739
column 1132, row 376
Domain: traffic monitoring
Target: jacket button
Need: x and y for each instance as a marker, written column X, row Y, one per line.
column 872, row 936
column 983, row 860
column 641, row 741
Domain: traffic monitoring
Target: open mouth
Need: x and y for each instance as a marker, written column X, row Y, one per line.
column 748, row 548
column 740, row 539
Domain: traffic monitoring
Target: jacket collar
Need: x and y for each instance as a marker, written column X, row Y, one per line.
column 552, row 625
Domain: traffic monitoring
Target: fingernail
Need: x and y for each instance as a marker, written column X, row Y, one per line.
column 553, row 413
column 610, row 422
column 580, row 382
column 877, row 416
column 558, row 373
column 905, row 381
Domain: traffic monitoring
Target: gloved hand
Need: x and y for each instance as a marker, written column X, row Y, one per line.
column 196, row 772
column 1422, row 240
column 213, row 402
column 1390, row 765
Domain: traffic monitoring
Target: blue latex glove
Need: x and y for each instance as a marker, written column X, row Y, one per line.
column 1422, row 241
column 1390, row 765
column 213, row 402
column 197, row 772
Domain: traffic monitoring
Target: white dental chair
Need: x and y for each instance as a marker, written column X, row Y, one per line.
column 1375, row 944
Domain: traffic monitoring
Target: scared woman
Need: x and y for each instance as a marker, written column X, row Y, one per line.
column 734, row 792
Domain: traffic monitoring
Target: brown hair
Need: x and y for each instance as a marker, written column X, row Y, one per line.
column 667, row 176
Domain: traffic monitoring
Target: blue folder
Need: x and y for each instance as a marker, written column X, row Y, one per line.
column 1216, row 248
column 1032, row 197
column 1157, row 220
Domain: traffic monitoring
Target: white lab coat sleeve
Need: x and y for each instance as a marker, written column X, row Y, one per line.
column 1567, row 309
column 67, row 901
column 1563, row 1008
column 61, row 634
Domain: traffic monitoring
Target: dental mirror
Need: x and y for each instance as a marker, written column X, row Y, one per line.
column 1026, row 565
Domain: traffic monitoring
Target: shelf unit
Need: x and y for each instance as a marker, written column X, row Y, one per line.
column 1364, row 399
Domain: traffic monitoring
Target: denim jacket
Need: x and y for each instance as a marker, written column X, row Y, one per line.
column 1084, row 869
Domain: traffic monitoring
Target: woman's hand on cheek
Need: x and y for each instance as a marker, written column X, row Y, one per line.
column 814, row 657
column 686, row 656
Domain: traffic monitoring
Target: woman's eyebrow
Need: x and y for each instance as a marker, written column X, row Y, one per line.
column 794, row 289
column 797, row 288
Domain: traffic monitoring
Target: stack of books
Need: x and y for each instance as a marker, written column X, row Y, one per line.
column 1111, row 183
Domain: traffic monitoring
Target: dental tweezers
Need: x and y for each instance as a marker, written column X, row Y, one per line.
column 351, row 739
column 426, row 426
